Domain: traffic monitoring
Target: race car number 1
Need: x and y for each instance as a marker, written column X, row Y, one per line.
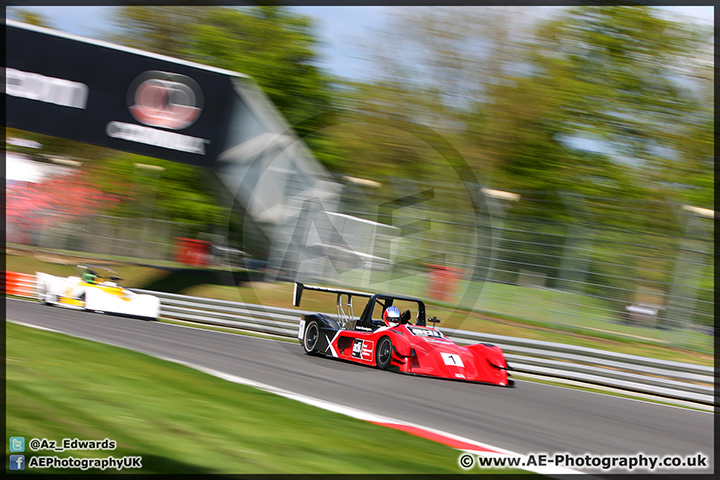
column 452, row 359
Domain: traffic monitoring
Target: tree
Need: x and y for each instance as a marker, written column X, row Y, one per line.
column 157, row 29
column 274, row 46
column 695, row 172
column 616, row 74
column 440, row 67
column 33, row 18
column 518, row 104
column 375, row 133
column 176, row 192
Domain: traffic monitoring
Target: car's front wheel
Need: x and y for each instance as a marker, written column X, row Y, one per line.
column 90, row 301
column 311, row 337
column 383, row 353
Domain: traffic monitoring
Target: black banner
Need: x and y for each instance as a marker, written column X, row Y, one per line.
column 116, row 97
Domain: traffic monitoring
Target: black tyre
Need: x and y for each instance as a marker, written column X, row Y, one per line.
column 83, row 298
column 311, row 337
column 383, row 353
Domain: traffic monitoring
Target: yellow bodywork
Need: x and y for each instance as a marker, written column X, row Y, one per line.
column 71, row 301
column 68, row 299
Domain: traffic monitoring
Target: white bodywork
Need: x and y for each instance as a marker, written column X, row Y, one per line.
column 106, row 297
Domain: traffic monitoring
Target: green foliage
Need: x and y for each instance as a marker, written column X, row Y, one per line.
column 638, row 83
column 277, row 49
column 32, row 18
column 157, row 29
column 174, row 191
column 510, row 101
column 616, row 73
column 380, row 134
column 518, row 107
column 704, row 314
column 274, row 46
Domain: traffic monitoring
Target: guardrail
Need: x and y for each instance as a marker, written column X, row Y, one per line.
column 664, row 378
column 683, row 381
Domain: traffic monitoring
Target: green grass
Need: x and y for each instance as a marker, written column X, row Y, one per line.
column 62, row 266
column 88, row 257
column 183, row 421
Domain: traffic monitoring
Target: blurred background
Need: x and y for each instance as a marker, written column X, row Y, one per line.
column 552, row 166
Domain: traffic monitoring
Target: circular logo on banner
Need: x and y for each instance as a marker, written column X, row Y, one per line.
column 164, row 99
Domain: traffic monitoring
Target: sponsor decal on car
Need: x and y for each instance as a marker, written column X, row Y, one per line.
column 452, row 359
column 357, row 348
column 301, row 330
column 363, row 349
column 437, row 340
column 425, row 332
column 367, row 350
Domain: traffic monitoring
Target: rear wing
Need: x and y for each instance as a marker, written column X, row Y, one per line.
column 299, row 287
column 343, row 315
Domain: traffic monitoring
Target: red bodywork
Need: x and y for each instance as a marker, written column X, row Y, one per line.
column 404, row 347
column 423, row 351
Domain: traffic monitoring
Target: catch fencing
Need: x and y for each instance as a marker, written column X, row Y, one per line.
column 623, row 268
column 144, row 238
column 676, row 380
column 629, row 372
column 627, row 269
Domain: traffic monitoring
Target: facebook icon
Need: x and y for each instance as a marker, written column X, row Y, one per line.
column 17, row 462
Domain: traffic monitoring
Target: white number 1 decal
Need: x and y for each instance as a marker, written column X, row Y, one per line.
column 452, row 359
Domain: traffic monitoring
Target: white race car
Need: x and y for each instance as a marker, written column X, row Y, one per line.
column 95, row 288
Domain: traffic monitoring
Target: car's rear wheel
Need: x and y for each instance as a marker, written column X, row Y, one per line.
column 311, row 337
column 383, row 353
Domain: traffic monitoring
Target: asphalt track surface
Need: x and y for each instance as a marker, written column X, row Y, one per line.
column 531, row 418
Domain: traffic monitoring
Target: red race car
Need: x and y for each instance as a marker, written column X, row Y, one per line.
column 383, row 337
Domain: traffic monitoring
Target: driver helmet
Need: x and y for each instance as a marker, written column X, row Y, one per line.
column 89, row 277
column 391, row 316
